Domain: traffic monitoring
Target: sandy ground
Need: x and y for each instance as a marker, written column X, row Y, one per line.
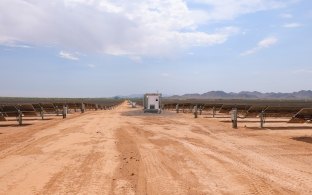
column 127, row 152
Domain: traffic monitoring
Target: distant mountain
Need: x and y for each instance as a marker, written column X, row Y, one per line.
column 303, row 94
column 134, row 96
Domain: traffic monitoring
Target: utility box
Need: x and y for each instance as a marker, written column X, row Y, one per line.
column 152, row 102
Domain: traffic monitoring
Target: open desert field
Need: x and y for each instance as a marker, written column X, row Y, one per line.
column 125, row 151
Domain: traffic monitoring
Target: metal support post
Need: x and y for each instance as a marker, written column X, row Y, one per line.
column 262, row 119
column 83, row 107
column 20, row 118
column 195, row 111
column 213, row 112
column 234, row 118
column 42, row 115
column 65, row 111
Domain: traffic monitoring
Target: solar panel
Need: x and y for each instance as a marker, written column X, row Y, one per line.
column 48, row 108
column 273, row 111
column 90, row 106
column 2, row 118
column 27, row 110
column 9, row 111
column 1, row 109
column 305, row 114
column 74, row 105
column 185, row 107
column 171, row 106
column 86, row 106
column 254, row 111
column 59, row 106
column 226, row 108
column 37, row 107
column 210, row 106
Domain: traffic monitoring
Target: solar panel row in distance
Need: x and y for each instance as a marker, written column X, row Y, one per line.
column 38, row 108
column 255, row 110
column 226, row 108
column 305, row 114
column 9, row 111
column 274, row 111
column 2, row 118
column 207, row 107
column 27, row 110
column 48, row 108
column 74, row 106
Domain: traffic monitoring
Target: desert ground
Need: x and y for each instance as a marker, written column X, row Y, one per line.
column 126, row 151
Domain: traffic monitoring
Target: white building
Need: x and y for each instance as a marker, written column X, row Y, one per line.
column 152, row 102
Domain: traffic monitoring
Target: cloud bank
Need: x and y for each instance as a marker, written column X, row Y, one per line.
column 122, row 27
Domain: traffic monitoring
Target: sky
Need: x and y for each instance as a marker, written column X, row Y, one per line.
column 104, row 48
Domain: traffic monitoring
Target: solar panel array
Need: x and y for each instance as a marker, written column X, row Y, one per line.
column 40, row 109
column 277, row 111
column 248, row 108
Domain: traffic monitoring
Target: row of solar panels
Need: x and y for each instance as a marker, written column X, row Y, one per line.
column 298, row 113
column 39, row 109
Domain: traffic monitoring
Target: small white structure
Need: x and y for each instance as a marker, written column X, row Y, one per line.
column 152, row 102
column 132, row 104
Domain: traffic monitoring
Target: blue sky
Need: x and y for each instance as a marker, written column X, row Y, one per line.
column 102, row 48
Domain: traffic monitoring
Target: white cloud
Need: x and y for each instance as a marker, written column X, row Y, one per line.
column 20, row 46
column 91, row 65
column 286, row 15
column 292, row 25
column 267, row 42
column 122, row 27
column 12, row 42
column 264, row 43
column 68, row 55
column 230, row 9
column 6, row 40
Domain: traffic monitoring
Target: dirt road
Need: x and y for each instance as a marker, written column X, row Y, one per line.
column 127, row 152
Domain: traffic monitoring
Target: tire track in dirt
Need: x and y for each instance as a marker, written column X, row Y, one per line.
column 126, row 178
column 163, row 172
column 11, row 142
column 263, row 169
column 73, row 156
column 259, row 176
